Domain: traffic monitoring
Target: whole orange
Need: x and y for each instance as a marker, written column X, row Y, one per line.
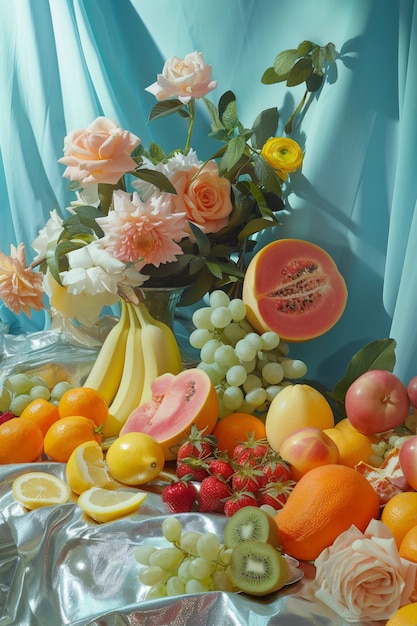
column 42, row 413
column 400, row 514
column 66, row 434
column 235, row 428
column 408, row 545
column 21, row 441
column 86, row 402
column 326, row 501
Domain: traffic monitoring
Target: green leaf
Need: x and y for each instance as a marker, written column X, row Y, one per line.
column 234, row 151
column 155, row 178
column 54, row 253
column 255, row 226
column 216, row 124
column 300, row 71
column 379, row 354
column 266, row 174
column 314, row 81
column 87, row 216
column 156, row 153
column 264, row 127
column 202, row 241
column 164, row 108
column 228, row 110
column 283, row 63
column 305, row 47
column 318, row 57
column 270, row 77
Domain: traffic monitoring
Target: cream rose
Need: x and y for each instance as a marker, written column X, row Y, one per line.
column 362, row 577
column 184, row 78
column 203, row 195
column 283, row 154
column 99, row 153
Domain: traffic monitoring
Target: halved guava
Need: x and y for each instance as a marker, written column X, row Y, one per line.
column 294, row 288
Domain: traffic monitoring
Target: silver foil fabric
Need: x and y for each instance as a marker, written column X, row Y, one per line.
column 60, row 568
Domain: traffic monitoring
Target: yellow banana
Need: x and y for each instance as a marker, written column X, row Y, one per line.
column 130, row 389
column 160, row 349
column 106, row 373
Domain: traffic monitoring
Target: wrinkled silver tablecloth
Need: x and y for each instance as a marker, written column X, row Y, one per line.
column 59, row 568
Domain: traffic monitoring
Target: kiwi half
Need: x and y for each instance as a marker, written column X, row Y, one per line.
column 251, row 522
column 257, row 568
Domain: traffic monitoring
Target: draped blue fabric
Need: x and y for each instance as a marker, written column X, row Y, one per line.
column 63, row 62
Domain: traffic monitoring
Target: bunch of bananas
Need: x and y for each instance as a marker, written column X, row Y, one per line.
column 137, row 350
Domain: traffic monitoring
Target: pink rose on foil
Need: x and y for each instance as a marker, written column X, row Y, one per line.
column 99, row 153
column 362, row 577
column 184, row 78
column 203, row 195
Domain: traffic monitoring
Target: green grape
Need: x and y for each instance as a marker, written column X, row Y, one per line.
column 272, row 391
column 208, row 350
column 142, row 554
column 221, row 317
column 18, row 383
column 238, row 309
column 252, row 382
column 19, row 403
column 218, row 298
column 39, row 391
column 273, row 373
column 236, row 375
column 156, row 591
column 188, row 542
column 270, row 340
column 232, row 398
column 208, row 546
column 249, row 365
column 166, row 558
column 224, row 356
column 201, row 318
column 211, row 371
column 245, row 350
column 195, row 586
column 200, row 569
column 59, row 389
column 38, row 380
column 256, row 397
column 175, row 586
column 199, row 337
column 255, row 340
column 233, row 333
column 294, row 368
column 224, row 555
column 151, row 575
column 184, row 570
column 5, row 399
column 172, row 529
column 222, row 581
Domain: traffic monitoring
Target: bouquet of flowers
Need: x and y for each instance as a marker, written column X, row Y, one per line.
column 144, row 217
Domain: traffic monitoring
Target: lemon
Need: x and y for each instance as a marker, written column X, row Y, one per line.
column 37, row 489
column 135, row 458
column 103, row 505
column 86, row 468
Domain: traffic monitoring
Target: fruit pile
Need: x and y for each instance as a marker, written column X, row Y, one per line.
column 249, row 559
column 20, row 389
column 253, row 475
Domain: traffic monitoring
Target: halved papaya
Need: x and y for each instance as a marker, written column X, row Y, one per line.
column 294, row 288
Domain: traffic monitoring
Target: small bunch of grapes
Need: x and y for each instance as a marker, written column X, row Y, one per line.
column 19, row 389
column 248, row 369
column 194, row 562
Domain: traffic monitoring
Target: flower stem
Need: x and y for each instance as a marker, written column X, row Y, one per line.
column 191, row 109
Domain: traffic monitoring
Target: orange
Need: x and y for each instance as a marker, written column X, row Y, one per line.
column 42, row 413
column 408, row 545
column 405, row 616
column 66, row 434
column 353, row 446
column 84, row 401
column 21, row 441
column 235, row 428
column 400, row 514
column 325, row 502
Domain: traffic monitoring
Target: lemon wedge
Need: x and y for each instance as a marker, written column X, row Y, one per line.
column 85, row 468
column 104, row 505
column 37, row 489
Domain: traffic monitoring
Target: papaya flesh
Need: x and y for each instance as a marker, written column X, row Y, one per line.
column 294, row 288
column 178, row 402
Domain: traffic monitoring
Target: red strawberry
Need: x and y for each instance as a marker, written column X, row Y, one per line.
column 221, row 468
column 250, row 449
column 196, row 468
column 197, row 445
column 275, row 494
column 276, row 469
column 237, row 501
column 213, row 493
column 179, row 497
column 248, row 478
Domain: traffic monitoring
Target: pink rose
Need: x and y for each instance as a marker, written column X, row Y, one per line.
column 362, row 577
column 203, row 195
column 184, row 78
column 99, row 153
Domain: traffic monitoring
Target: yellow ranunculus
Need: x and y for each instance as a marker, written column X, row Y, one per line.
column 283, row 154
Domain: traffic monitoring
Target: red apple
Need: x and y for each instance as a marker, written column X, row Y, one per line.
column 377, row 401
column 307, row 448
column 408, row 460
column 412, row 391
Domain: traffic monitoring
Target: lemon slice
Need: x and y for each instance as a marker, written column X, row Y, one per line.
column 104, row 505
column 37, row 489
column 86, row 468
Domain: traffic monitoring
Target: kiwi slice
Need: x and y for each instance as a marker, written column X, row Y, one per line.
column 257, row 568
column 251, row 522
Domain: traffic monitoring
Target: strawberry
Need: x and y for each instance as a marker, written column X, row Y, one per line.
column 248, row 478
column 197, row 445
column 6, row 416
column 197, row 468
column 275, row 493
column 250, row 449
column 220, row 467
column 180, row 496
column 276, row 469
column 238, row 500
column 213, row 493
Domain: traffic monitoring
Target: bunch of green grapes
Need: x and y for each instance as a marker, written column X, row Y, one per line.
column 194, row 562
column 18, row 390
column 248, row 369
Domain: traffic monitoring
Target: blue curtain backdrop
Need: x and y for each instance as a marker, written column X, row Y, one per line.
column 63, row 62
